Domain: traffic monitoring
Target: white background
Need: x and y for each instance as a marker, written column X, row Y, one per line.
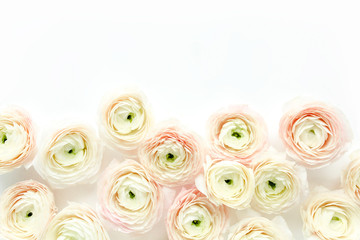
column 57, row 60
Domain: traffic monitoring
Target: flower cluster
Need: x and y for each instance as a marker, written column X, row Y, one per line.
column 167, row 174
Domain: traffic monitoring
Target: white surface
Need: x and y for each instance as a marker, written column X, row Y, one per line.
column 57, row 59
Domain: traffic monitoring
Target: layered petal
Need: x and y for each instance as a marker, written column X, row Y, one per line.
column 351, row 177
column 26, row 208
column 128, row 197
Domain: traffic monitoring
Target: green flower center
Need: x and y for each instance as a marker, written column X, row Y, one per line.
column 312, row 131
column 170, row 157
column 29, row 214
column 130, row 117
column 71, row 151
column 132, row 195
column 196, row 222
column 272, row 185
column 229, row 181
column 236, row 134
column 3, row 138
column 334, row 218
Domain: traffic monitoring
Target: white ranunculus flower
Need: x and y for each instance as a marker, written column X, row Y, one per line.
column 331, row 216
column 71, row 155
column 278, row 183
column 125, row 119
column 227, row 182
column 25, row 210
column 17, row 139
column 193, row 216
column 76, row 222
column 260, row 228
column 351, row 177
column 129, row 198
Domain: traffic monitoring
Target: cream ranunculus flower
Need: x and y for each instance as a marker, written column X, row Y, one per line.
column 76, row 221
column 172, row 155
column 260, row 228
column 278, row 183
column 314, row 133
column 351, row 177
column 125, row 120
column 129, row 199
column 70, row 156
column 330, row 216
column 237, row 133
column 194, row 217
column 227, row 182
column 17, row 139
column 26, row 208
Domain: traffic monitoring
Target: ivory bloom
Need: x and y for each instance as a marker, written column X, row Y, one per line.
column 71, row 155
column 125, row 120
column 129, row 199
column 314, row 133
column 26, row 208
column 330, row 216
column 260, row 228
column 17, row 139
column 237, row 133
column 351, row 177
column 172, row 155
column 227, row 182
column 194, row 217
column 278, row 183
column 76, row 221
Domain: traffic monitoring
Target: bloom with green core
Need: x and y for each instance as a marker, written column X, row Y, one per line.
column 26, row 208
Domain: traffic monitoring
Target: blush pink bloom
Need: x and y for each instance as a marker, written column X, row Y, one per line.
column 237, row 133
column 193, row 216
column 128, row 198
column 314, row 133
column 26, row 209
column 172, row 155
column 17, row 139
column 351, row 177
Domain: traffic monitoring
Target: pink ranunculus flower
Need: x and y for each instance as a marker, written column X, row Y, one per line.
column 193, row 216
column 17, row 139
column 237, row 133
column 76, row 221
column 227, row 182
column 351, row 177
column 129, row 199
column 125, row 119
column 314, row 133
column 26, row 208
column 172, row 155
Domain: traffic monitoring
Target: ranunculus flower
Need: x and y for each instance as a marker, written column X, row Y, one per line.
column 237, row 133
column 314, row 133
column 351, row 177
column 129, row 198
column 278, row 183
column 17, row 139
column 71, row 155
column 172, row 155
column 194, row 217
column 260, row 228
column 227, row 182
column 330, row 216
column 125, row 120
column 26, row 208
column 76, row 221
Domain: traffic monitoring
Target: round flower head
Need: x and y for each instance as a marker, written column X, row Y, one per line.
column 71, row 155
column 129, row 199
column 351, row 178
column 227, row 182
column 125, row 120
column 76, row 221
column 17, row 139
column 330, row 216
column 260, row 228
column 237, row 133
column 193, row 216
column 172, row 155
column 314, row 133
column 26, row 208
column 278, row 183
